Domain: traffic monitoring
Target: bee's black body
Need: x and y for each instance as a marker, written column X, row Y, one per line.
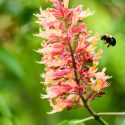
column 109, row 39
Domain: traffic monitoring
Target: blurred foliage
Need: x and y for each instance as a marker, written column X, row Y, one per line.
column 67, row 122
column 20, row 87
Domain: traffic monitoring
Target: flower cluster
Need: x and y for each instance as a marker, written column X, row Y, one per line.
column 70, row 57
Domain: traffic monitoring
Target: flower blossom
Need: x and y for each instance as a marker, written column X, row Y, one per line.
column 70, row 56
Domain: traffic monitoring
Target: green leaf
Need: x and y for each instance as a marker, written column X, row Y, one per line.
column 66, row 122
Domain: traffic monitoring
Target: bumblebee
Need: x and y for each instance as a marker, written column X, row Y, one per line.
column 111, row 41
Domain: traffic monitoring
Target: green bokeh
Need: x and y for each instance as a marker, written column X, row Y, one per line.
column 20, row 87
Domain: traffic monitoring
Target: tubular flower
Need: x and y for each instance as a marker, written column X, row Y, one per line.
column 70, row 57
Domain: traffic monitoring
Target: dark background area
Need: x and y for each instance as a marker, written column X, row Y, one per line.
column 20, row 87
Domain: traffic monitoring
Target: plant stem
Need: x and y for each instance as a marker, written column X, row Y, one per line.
column 83, row 120
column 74, row 64
column 86, row 104
column 99, row 114
column 111, row 113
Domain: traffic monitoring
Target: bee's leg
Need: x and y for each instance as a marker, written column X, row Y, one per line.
column 108, row 45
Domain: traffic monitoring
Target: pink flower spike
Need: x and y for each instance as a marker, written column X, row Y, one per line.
column 70, row 56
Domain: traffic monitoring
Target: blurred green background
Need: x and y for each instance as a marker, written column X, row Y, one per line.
column 20, row 87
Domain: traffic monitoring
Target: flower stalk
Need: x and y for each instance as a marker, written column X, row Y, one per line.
column 74, row 64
